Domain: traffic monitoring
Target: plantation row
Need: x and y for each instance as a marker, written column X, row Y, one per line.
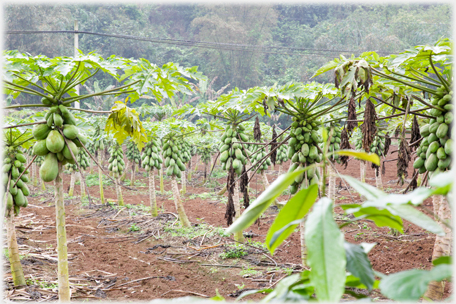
column 406, row 97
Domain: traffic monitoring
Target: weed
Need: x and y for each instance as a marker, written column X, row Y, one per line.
column 93, row 180
column 213, row 270
column 240, row 287
column 42, row 284
column 134, row 227
column 249, row 272
column 235, row 251
column 288, row 271
column 366, row 226
column 358, row 236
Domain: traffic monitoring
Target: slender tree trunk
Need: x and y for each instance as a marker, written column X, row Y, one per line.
column 280, row 170
column 178, row 202
column 419, row 180
column 100, row 179
column 133, row 169
column 237, row 208
column 303, row 231
column 43, row 186
column 153, row 198
column 197, row 162
column 162, row 185
column 184, row 183
column 332, row 183
column 91, row 166
column 34, row 175
column 362, row 167
column 13, row 250
column 71, row 191
column 378, row 179
column 442, row 245
column 265, row 180
column 81, row 184
column 120, row 201
column 63, row 277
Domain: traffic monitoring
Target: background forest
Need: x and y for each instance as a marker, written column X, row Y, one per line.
column 291, row 41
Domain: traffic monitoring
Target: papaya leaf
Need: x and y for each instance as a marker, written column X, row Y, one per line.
column 123, row 122
column 326, row 253
column 327, row 67
column 381, row 217
column 370, row 192
column 263, row 201
column 413, row 215
column 359, row 265
column 371, row 157
column 443, row 260
column 296, row 208
column 410, row 285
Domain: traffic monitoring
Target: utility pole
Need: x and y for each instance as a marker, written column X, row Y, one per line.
column 76, row 47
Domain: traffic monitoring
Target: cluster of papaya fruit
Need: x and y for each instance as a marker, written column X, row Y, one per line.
column 13, row 167
column 377, row 146
column 55, row 139
column 83, row 159
column 132, row 152
column 259, row 153
column 434, row 152
column 205, row 151
column 116, row 161
column 303, row 150
column 334, row 143
column 186, row 152
column 150, row 157
column 231, row 151
column 281, row 154
column 174, row 155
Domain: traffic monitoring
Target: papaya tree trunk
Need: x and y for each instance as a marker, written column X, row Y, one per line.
column 238, row 236
column 120, row 201
column 362, row 167
column 81, row 184
column 178, row 202
column 184, row 183
column 133, row 169
column 91, row 166
column 378, row 179
column 332, row 183
column 13, row 250
column 265, row 179
column 153, row 198
column 280, row 170
column 162, row 185
column 302, row 229
column 71, row 191
column 197, row 162
column 63, row 276
column 34, row 175
column 100, row 179
column 442, row 244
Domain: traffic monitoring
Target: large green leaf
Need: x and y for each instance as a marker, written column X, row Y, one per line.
column 381, row 217
column 366, row 190
column 410, row 285
column 264, row 200
column 325, row 252
column 443, row 182
column 416, row 217
column 371, row 157
column 359, row 265
column 295, row 209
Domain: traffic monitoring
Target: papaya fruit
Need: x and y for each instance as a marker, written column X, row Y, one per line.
column 68, row 118
column 58, row 120
column 39, row 148
column 20, row 157
column 66, row 150
column 448, row 118
column 448, row 147
column 442, row 130
column 431, row 162
column 441, row 153
column 70, row 131
column 9, row 201
column 40, row 131
column 424, row 130
column 433, row 128
column 19, row 198
column 444, row 163
column 49, row 168
column 55, row 141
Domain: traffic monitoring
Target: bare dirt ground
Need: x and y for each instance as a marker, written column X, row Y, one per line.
column 125, row 254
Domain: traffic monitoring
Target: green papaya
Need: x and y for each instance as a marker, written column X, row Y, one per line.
column 19, row 198
column 431, row 138
column 419, row 162
column 305, row 150
column 313, row 152
column 431, row 162
column 442, row 130
column 20, row 157
column 448, row 118
column 58, row 120
column 441, row 153
column 49, row 168
column 448, row 147
column 66, row 150
column 9, row 201
column 39, row 148
column 67, row 116
column 433, row 128
column 424, row 130
column 14, row 172
column 444, row 163
column 40, row 131
column 433, row 147
column 70, row 131
column 55, row 141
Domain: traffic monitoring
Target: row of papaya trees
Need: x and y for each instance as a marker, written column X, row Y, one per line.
column 399, row 95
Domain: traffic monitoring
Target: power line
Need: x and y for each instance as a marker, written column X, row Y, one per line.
column 208, row 45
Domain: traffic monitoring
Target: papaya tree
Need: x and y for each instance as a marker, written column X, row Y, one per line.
column 15, row 179
column 58, row 138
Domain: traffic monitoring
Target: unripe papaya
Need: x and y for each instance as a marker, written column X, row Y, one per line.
column 19, row 199
column 40, row 131
column 55, row 141
column 58, row 120
column 71, row 131
column 40, row 149
column 49, row 168
column 66, row 150
column 20, row 157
